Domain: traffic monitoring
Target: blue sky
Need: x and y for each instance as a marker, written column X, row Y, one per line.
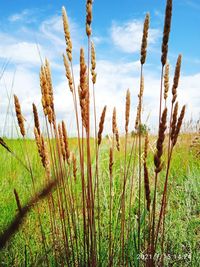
column 117, row 27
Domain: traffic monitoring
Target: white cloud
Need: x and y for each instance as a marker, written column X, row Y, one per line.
column 18, row 16
column 113, row 77
column 25, row 16
column 52, row 30
column 20, row 52
column 128, row 36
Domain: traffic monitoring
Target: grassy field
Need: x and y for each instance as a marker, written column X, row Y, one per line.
column 129, row 199
column 182, row 222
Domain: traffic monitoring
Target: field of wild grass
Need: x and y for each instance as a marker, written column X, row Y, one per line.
column 128, row 199
column 182, row 222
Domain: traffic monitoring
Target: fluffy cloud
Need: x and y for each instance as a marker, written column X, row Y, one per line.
column 127, row 36
column 113, row 77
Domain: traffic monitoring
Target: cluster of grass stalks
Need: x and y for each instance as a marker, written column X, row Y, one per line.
column 88, row 225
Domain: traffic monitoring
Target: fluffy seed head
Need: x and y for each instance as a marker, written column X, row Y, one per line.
column 166, row 81
column 144, row 39
column 174, row 120
column 160, row 141
column 67, row 34
column 127, row 112
column 84, row 90
column 166, row 31
column 111, row 161
column 176, row 78
column 20, row 118
column 36, row 118
column 115, row 128
column 101, row 125
column 68, row 73
column 74, row 166
column 93, row 63
column 178, row 126
column 88, row 17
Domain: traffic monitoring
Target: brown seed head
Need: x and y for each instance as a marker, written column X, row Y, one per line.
column 166, row 81
column 36, row 118
column 160, row 141
column 67, row 34
column 20, row 118
column 74, row 166
column 50, row 101
column 174, row 120
column 176, row 79
column 93, row 63
column 84, row 91
column 43, row 152
column 115, row 129
column 88, row 17
column 127, row 112
column 166, row 31
column 68, row 73
column 178, row 126
column 101, row 125
column 144, row 39
column 111, row 162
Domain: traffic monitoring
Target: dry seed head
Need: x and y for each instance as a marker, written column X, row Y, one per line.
column 139, row 107
column 144, row 39
column 20, row 118
column 50, row 105
column 115, row 128
column 47, row 93
column 43, row 152
column 88, row 17
column 39, row 146
column 160, row 141
column 84, row 91
column 74, row 166
column 67, row 34
column 111, row 161
column 44, row 89
column 166, row 31
column 101, row 125
column 93, row 63
column 174, row 121
column 178, row 126
column 114, row 121
column 117, row 139
column 176, row 78
column 166, row 81
column 68, row 73
column 66, row 143
column 127, row 112
column 36, row 118
column 146, row 146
